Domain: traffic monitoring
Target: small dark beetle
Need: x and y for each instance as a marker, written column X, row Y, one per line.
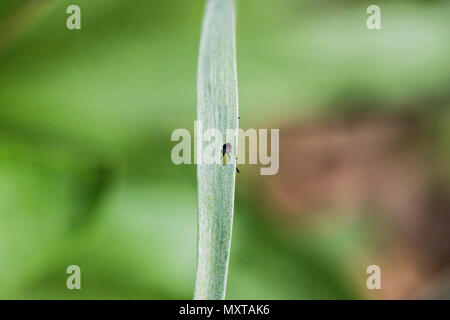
column 226, row 150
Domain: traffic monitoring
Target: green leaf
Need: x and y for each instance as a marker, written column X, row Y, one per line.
column 217, row 108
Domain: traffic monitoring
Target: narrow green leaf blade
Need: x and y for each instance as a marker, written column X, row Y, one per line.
column 217, row 107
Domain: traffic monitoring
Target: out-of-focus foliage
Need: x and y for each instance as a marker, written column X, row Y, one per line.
column 85, row 124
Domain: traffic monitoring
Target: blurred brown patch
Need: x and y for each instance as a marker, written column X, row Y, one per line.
column 348, row 163
column 375, row 164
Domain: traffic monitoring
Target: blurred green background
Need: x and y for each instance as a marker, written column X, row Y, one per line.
column 86, row 176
